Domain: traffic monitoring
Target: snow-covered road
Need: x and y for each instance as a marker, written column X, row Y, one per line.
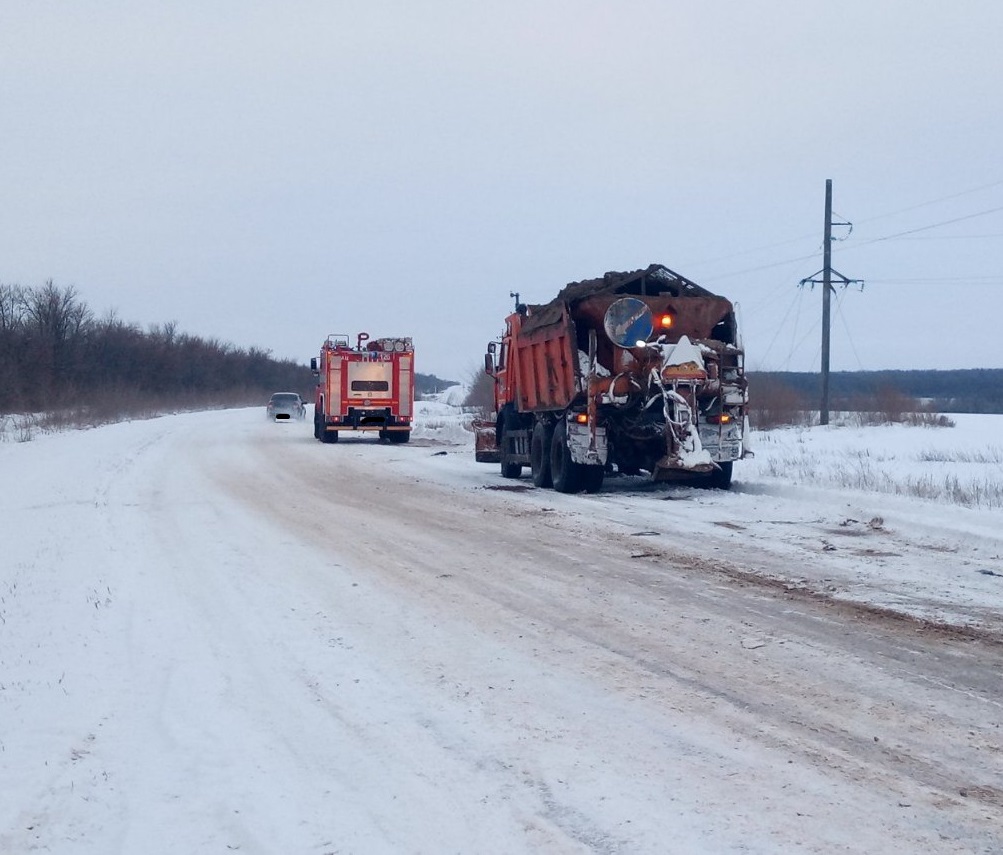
column 217, row 635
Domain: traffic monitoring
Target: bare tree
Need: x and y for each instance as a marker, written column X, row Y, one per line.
column 12, row 307
column 55, row 322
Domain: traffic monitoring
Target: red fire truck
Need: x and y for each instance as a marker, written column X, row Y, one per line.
column 368, row 387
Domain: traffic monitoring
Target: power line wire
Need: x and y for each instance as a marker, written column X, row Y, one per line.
column 846, row 328
column 934, row 201
column 957, row 237
column 937, row 279
column 899, row 235
column 931, row 226
column 761, row 267
column 776, row 332
column 742, row 252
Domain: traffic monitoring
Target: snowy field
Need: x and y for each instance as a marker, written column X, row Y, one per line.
column 219, row 635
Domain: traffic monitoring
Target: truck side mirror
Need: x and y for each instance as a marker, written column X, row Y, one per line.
column 313, row 364
column 489, row 363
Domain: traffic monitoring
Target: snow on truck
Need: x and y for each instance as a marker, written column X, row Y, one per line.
column 634, row 372
column 368, row 387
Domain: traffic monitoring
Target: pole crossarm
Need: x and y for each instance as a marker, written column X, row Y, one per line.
column 833, row 274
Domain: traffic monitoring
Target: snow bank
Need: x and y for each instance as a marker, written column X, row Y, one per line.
column 442, row 417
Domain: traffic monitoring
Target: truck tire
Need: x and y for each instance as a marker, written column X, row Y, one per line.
column 508, row 419
column 539, row 455
column 328, row 435
column 566, row 474
column 399, row 436
column 510, row 470
column 316, row 427
column 592, row 478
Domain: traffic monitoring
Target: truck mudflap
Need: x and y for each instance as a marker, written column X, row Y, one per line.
column 581, row 446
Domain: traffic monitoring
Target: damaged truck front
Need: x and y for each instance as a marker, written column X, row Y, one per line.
column 634, row 372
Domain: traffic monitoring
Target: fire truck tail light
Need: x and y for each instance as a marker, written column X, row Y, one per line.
column 665, row 320
column 720, row 419
column 582, row 418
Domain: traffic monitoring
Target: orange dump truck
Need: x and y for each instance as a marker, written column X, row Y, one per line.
column 634, row 372
column 368, row 387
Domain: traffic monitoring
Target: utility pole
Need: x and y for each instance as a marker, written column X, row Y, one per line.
column 823, row 416
column 827, row 289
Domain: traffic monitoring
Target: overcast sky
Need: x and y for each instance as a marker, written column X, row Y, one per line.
column 267, row 173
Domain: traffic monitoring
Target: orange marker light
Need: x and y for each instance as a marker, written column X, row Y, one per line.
column 665, row 321
column 582, row 418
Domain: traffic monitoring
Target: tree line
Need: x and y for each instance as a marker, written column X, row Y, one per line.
column 56, row 355
column 963, row 390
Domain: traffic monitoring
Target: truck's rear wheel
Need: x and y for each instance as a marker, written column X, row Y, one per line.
column 510, row 470
column 566, row 474
column 398, row 435
column 328, row 435
column 539, row 455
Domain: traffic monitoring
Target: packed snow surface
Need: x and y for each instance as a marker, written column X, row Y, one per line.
column 220, row 635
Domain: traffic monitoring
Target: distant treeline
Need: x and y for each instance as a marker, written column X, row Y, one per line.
column 429, row 384
column 55, row 355
column 968, row 390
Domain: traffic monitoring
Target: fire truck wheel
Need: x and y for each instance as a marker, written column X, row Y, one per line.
column 539, row 455
column 329, row 436
column 592, row 478
column 567, row 474
column 398, row 436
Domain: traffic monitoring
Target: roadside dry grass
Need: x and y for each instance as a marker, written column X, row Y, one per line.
column 111, row 408
column 967, row 478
